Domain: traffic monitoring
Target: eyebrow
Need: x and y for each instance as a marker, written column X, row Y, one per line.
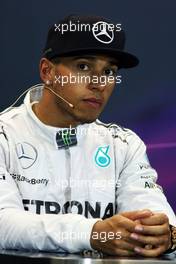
column 111, row 61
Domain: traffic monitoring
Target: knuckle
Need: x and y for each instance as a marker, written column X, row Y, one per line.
column 125, row 235
column 111, row 223
column 115, row 219
column 165, row 217
column 119, row 219
column 167, row 240
column 166, row 227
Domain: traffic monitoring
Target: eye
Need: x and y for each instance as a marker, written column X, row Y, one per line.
column 110, row 72
column 83, row 67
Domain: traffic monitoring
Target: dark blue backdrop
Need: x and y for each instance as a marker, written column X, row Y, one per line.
column 146, row 99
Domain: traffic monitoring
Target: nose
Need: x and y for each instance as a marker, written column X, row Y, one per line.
column 98, row 82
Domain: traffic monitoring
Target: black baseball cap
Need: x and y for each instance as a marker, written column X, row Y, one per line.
column 82, row 35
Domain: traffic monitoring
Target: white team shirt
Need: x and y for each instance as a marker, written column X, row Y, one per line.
column 51, row 197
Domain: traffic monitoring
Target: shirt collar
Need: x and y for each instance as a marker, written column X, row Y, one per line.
column 54, row 135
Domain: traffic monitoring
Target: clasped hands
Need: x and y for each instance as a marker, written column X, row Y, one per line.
column 142, row 232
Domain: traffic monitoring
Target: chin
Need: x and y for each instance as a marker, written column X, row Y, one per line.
column 86, row 119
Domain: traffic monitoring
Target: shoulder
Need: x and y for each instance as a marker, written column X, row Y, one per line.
column 117, row 131
column 10, row 118
column 11, row 113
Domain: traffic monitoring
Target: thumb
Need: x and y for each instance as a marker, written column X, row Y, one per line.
column 134, row 215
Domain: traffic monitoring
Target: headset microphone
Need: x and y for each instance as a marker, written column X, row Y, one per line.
column 71, row 105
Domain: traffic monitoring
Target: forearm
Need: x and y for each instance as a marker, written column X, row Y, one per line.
column 24, row 230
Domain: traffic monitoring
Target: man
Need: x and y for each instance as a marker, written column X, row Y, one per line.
column 68, row 181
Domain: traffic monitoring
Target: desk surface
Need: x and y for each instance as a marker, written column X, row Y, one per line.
column 18, row 257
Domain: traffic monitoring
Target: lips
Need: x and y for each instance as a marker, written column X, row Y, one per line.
column 94, row 102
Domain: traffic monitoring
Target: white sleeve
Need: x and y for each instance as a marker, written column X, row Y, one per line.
column 20, row 229
column 138, row 187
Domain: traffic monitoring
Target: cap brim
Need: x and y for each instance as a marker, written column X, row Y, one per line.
column 124, row 59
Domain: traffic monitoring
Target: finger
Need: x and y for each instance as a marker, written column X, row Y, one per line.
column 125, row 236
column 134, row 242
column 151, row 240
column 125, row 245
column 153, row 230
column 155, row 252
column 134, row 215
column 113, row 249
column 123, row 222
column 125, row 253
column 156, row 219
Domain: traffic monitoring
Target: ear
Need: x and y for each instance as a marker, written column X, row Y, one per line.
column 46, row 69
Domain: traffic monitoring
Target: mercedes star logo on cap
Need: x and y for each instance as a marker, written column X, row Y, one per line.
column 104, row 34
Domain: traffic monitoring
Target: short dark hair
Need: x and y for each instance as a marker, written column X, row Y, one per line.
column 55, row 60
